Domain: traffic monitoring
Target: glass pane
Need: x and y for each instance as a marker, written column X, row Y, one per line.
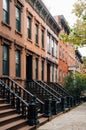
column 5, row 60
column 17, row 13
column 29, row 23
column 36, row 29
column 17, row 57
column 42, row 39
column 18, row 26
column 17, row 70
column 5, row 4
column 18, row 63
column 5, row 52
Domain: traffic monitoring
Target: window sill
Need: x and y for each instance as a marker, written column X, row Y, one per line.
column 29, row 40
column 36, row 44
column 7, row 25
column 18, row 78
column 19, row 33
column 43, row 49
column 49, row 53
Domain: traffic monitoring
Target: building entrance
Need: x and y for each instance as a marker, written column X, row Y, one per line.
column 48, row 72
column 29, row 67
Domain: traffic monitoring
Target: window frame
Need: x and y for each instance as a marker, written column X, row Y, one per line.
column 36, row 68
column 18, row 65
column 48, row 43
column 18, row 21
column 53, row 73
column 42, row 71
column 42, row 38
column 6, row 13
column 5, row 60
column 53, row 42
column 36, row 33
column 29, row 22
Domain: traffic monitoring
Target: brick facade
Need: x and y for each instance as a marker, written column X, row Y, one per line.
column 19, row 41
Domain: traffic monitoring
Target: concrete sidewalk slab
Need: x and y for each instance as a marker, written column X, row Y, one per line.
column 72, row 120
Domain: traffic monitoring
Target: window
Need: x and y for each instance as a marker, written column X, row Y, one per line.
column 18, row 19
column 52, row 73
column 6, row 11
column 29, row 27
column 17, row 63
column 52, row 46
column 5, row 60
column 56, row 73
column 56, row 50
column 36, row 33
column 42, row 70
column 36, row 70
column 42, row 38
column 48, row 43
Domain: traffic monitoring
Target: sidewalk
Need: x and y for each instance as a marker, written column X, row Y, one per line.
column 72, row 120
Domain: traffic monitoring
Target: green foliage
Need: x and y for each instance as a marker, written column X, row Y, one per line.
column 75, row 84
column 80, row 9
column 78, row 32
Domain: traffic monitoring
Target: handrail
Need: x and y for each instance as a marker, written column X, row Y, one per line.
column 50, row 89
column 64, row 89
column 14, row 93
column 23, row 89
column 60, row 87
column 45, row 89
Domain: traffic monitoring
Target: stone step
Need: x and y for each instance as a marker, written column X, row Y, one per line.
column 2, row 100
column 9, row 119
column 14, row 125
column 6, row 112
column 4, row 106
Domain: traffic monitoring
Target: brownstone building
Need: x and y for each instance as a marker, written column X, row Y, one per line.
column 26, row 31
column 66, row 56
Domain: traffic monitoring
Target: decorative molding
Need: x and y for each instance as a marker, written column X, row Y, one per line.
column 19, row 3
column 45, row 14
column 28, row 13
column 18, row 46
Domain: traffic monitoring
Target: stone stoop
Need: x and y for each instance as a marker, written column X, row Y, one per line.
column 10, row 120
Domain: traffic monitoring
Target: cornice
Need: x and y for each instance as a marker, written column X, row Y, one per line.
column 43, row 12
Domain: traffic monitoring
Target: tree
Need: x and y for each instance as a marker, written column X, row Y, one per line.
column 78, row 31
column 75, row 87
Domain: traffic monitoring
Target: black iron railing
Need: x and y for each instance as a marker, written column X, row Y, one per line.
column 49, row 89
column 53, row 102
column 18, row 90
column 39, row 90
column 68, row 99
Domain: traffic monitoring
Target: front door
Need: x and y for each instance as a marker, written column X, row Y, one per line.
column 48, row 72
column 29, row 67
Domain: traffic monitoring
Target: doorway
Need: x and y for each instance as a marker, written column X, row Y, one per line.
column 48, row 72
column 29, row 67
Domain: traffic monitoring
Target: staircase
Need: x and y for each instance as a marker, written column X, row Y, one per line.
column 51, row 91
column 10, row 120
column 14, row 107
column 20, row 109
column 41, row 91
column 68, row 98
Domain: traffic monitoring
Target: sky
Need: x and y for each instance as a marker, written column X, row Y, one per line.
column 63, row 7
